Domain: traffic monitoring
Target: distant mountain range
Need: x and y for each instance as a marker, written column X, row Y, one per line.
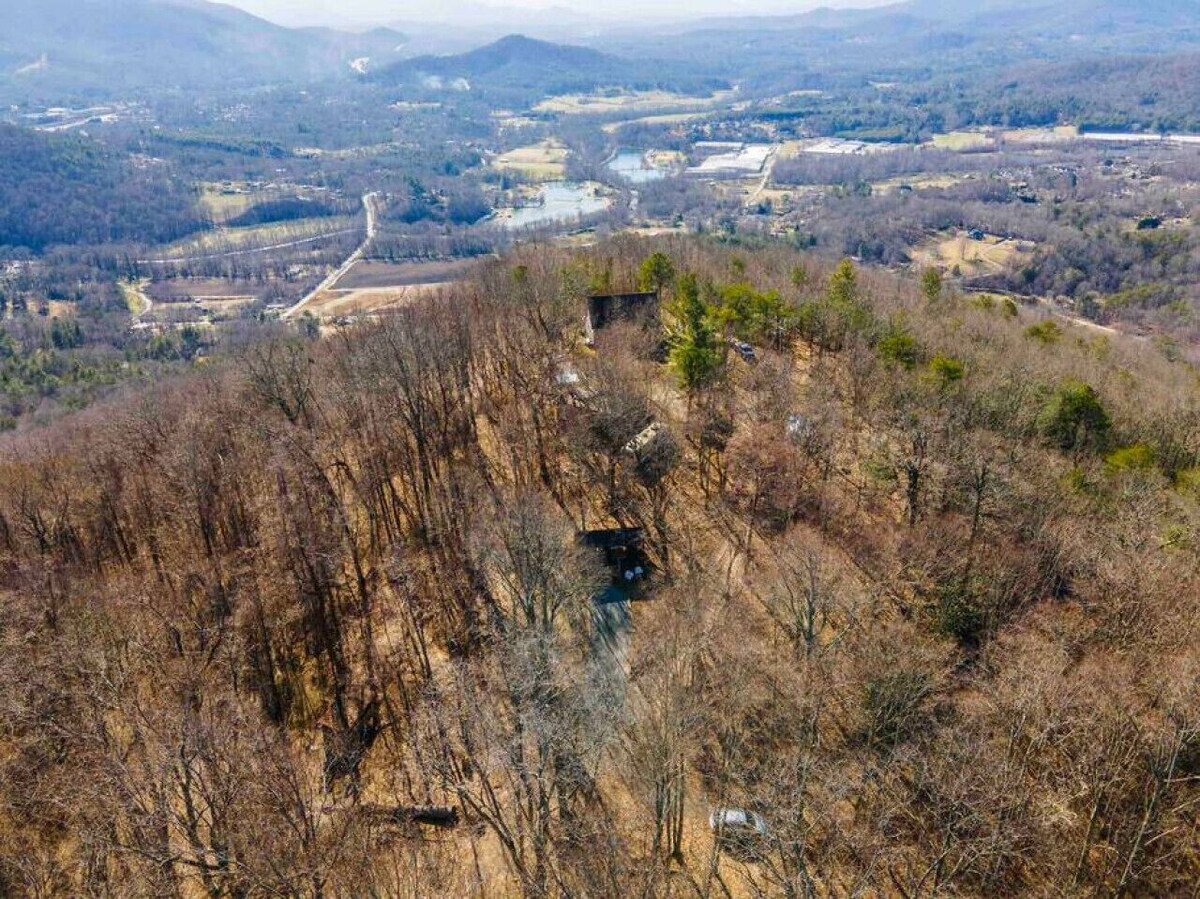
column 106, row 47
column 922, row 35
column 1057, row 17
column 60, row 50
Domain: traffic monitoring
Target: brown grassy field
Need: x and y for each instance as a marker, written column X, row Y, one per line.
column 546, row 161
column 920, row 182
column 960, row 141
column 186, row 289
column 371, row 275
column 971, row 256
column 224, row 202
column 335, row 303
column 677, row 118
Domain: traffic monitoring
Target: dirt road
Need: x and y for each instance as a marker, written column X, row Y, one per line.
column 353, row 259
column 764, row 182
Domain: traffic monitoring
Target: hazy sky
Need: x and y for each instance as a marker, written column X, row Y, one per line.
column 368, row 12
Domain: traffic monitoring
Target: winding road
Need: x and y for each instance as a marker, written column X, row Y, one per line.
column 340, row 272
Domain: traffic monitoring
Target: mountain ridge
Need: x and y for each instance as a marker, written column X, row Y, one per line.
column 93, row 48
column 520, row 64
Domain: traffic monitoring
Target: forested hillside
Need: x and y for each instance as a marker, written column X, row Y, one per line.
column 921, row 591
column 51, row 49
column 1145, row 93
column 69, row 190
column 516, row 66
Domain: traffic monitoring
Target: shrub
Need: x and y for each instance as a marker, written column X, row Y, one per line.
column 957, row 613
column 946, row 370
column 1074, row 419
column 1188, row 481
column 900, row 348
column 1138, row 457
column 1047, row 332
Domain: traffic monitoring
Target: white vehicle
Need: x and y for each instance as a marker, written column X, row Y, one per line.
column 737, row 829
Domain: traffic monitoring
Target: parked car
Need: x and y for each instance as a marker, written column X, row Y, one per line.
column 737, row 830
column 745, row 350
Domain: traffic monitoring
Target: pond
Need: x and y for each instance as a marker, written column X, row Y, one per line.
column 632, row 166
column 558, row 201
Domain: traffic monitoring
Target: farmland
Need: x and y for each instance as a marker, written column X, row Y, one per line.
column 335, row 303
column 678, row 118
column 372, row 286
column 272, row 236
column 225, row 201
column 961, row 141
column 544, row 161
column 184, row 290
column 374, row 275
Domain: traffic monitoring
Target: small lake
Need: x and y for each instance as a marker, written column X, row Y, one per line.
column 632, row 166
column 558, row 201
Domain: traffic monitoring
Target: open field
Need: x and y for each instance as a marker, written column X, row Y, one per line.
column 515, row 122
column 184, row 290
column 334, row 303
column 226, row 200
column 666, row 159
column 200, row 310
column 960, row 141
column 374, row 275
column 134, row 294
column 780, row 198
column 1041, row 135
column 604, row 103
column 223, row 306
column 920, row 182
column 271, row 236
column 790, row 149
column 677, row 118
column 223, row 202
column 545, row 161
column 988, row 139
column 971, row 257
column 653, row 230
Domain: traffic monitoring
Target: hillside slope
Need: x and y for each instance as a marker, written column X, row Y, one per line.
column 101, row 48
column 919, row 586
column 521, row 65
column 58, row 189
